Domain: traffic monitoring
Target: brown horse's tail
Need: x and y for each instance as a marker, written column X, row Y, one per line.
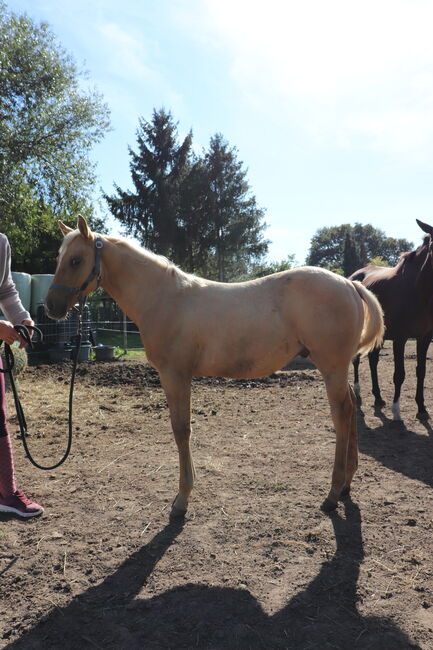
column 374, row 327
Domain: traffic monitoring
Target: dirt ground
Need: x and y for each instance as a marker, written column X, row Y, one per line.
column 255, row 564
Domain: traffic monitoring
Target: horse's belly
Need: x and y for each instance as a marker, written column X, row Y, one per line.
column 246, row 366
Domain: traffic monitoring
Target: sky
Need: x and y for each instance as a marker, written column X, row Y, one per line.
column 329, row 104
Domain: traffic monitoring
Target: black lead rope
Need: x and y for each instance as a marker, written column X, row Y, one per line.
column 24, row 332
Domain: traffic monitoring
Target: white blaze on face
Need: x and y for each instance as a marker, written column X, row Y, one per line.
column 64, row 246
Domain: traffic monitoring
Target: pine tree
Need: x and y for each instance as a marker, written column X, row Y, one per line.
column 158, row 169
column 235, row 221
column 198, row 211
column 351, row 256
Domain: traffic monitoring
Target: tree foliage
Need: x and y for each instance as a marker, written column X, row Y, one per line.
column 260, row 269
column 231, row 211
column 349, row 248
column 48, row 125
column 151, row 211
column 197, row 210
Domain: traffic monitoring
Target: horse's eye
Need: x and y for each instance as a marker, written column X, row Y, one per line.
column 75, row 261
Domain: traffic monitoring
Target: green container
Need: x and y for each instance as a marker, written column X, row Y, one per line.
column 40, row 284
column 104, row 352
column 84, row 353
column 60, row 352
column 23, row 283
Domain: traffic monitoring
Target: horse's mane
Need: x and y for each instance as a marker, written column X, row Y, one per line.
column 144, row 256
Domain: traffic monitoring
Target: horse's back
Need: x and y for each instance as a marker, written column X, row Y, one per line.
column 396, row 289
column 254, row 328
column 327, row 311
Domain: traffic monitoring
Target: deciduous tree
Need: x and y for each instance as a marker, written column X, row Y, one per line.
column 346, row 246
column 48, row 124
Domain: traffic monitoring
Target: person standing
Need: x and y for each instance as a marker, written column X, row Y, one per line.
column 12, row 500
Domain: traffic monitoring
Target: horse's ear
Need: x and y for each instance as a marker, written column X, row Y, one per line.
column 424, row 226
column 83, row 227
column 64, row 228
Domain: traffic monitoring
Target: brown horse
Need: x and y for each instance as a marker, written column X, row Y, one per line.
column 406, row 295
column 193, row 327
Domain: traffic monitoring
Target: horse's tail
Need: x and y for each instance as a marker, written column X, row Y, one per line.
column 374, row 327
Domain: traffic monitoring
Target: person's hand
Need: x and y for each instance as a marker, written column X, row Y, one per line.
column 8, row 334
column 26, row 321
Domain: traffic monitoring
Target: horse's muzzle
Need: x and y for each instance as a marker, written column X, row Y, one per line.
column 56, row 306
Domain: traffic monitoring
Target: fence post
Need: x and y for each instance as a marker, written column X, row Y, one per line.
column 125, row 333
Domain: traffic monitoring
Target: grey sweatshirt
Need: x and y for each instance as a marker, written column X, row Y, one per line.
column 10, row 302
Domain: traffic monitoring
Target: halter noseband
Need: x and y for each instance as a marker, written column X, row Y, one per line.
column 94, row 273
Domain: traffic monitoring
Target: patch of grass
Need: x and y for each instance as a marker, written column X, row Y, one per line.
column 279, row 487
column 134, row 349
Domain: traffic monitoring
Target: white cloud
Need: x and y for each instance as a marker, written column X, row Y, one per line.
column 357, row 74
column 126, row 55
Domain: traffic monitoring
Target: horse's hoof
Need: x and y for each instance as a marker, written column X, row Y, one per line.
column 328, row 505
column 177, row 513
column 345, row 492
column 423, row 416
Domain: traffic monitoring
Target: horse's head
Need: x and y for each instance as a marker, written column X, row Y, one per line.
column 429, row 230
column 78, row 269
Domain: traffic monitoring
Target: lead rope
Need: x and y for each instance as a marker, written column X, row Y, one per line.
column 23, row 330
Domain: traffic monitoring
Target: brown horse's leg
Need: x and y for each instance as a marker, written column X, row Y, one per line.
column 178, row 392
column 373, row 360
column 356, row 362
column 342, row 411
column 399, row 376
column 352, row 452
column 421, row 355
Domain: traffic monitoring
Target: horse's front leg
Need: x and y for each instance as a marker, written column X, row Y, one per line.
column 177, row 388
column 421, row 355
column 399, row 376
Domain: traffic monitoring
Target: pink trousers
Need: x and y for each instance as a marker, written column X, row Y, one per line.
column 7, row 477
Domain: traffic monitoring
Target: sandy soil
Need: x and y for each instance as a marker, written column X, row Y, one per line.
column 255, row 564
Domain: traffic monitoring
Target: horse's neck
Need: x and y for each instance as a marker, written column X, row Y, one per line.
column 424, row 280
column 134, row 285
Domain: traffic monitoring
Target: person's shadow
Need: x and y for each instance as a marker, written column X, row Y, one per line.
column 324, row 615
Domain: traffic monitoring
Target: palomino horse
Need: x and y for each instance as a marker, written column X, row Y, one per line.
column 405, row 292
column 194, row 327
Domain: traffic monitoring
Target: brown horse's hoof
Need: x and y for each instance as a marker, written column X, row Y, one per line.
column 328, row 505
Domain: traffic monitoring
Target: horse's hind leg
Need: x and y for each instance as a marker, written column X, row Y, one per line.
column 373, row 360
column 341, row 400
column 357, row 389
column 178, row 392
column 421, row 355
column 399, row 376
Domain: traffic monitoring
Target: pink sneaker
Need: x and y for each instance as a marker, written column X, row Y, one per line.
column 19, row 504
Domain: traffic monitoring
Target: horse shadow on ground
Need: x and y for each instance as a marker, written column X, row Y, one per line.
column 324, row 615
column 396, row 446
